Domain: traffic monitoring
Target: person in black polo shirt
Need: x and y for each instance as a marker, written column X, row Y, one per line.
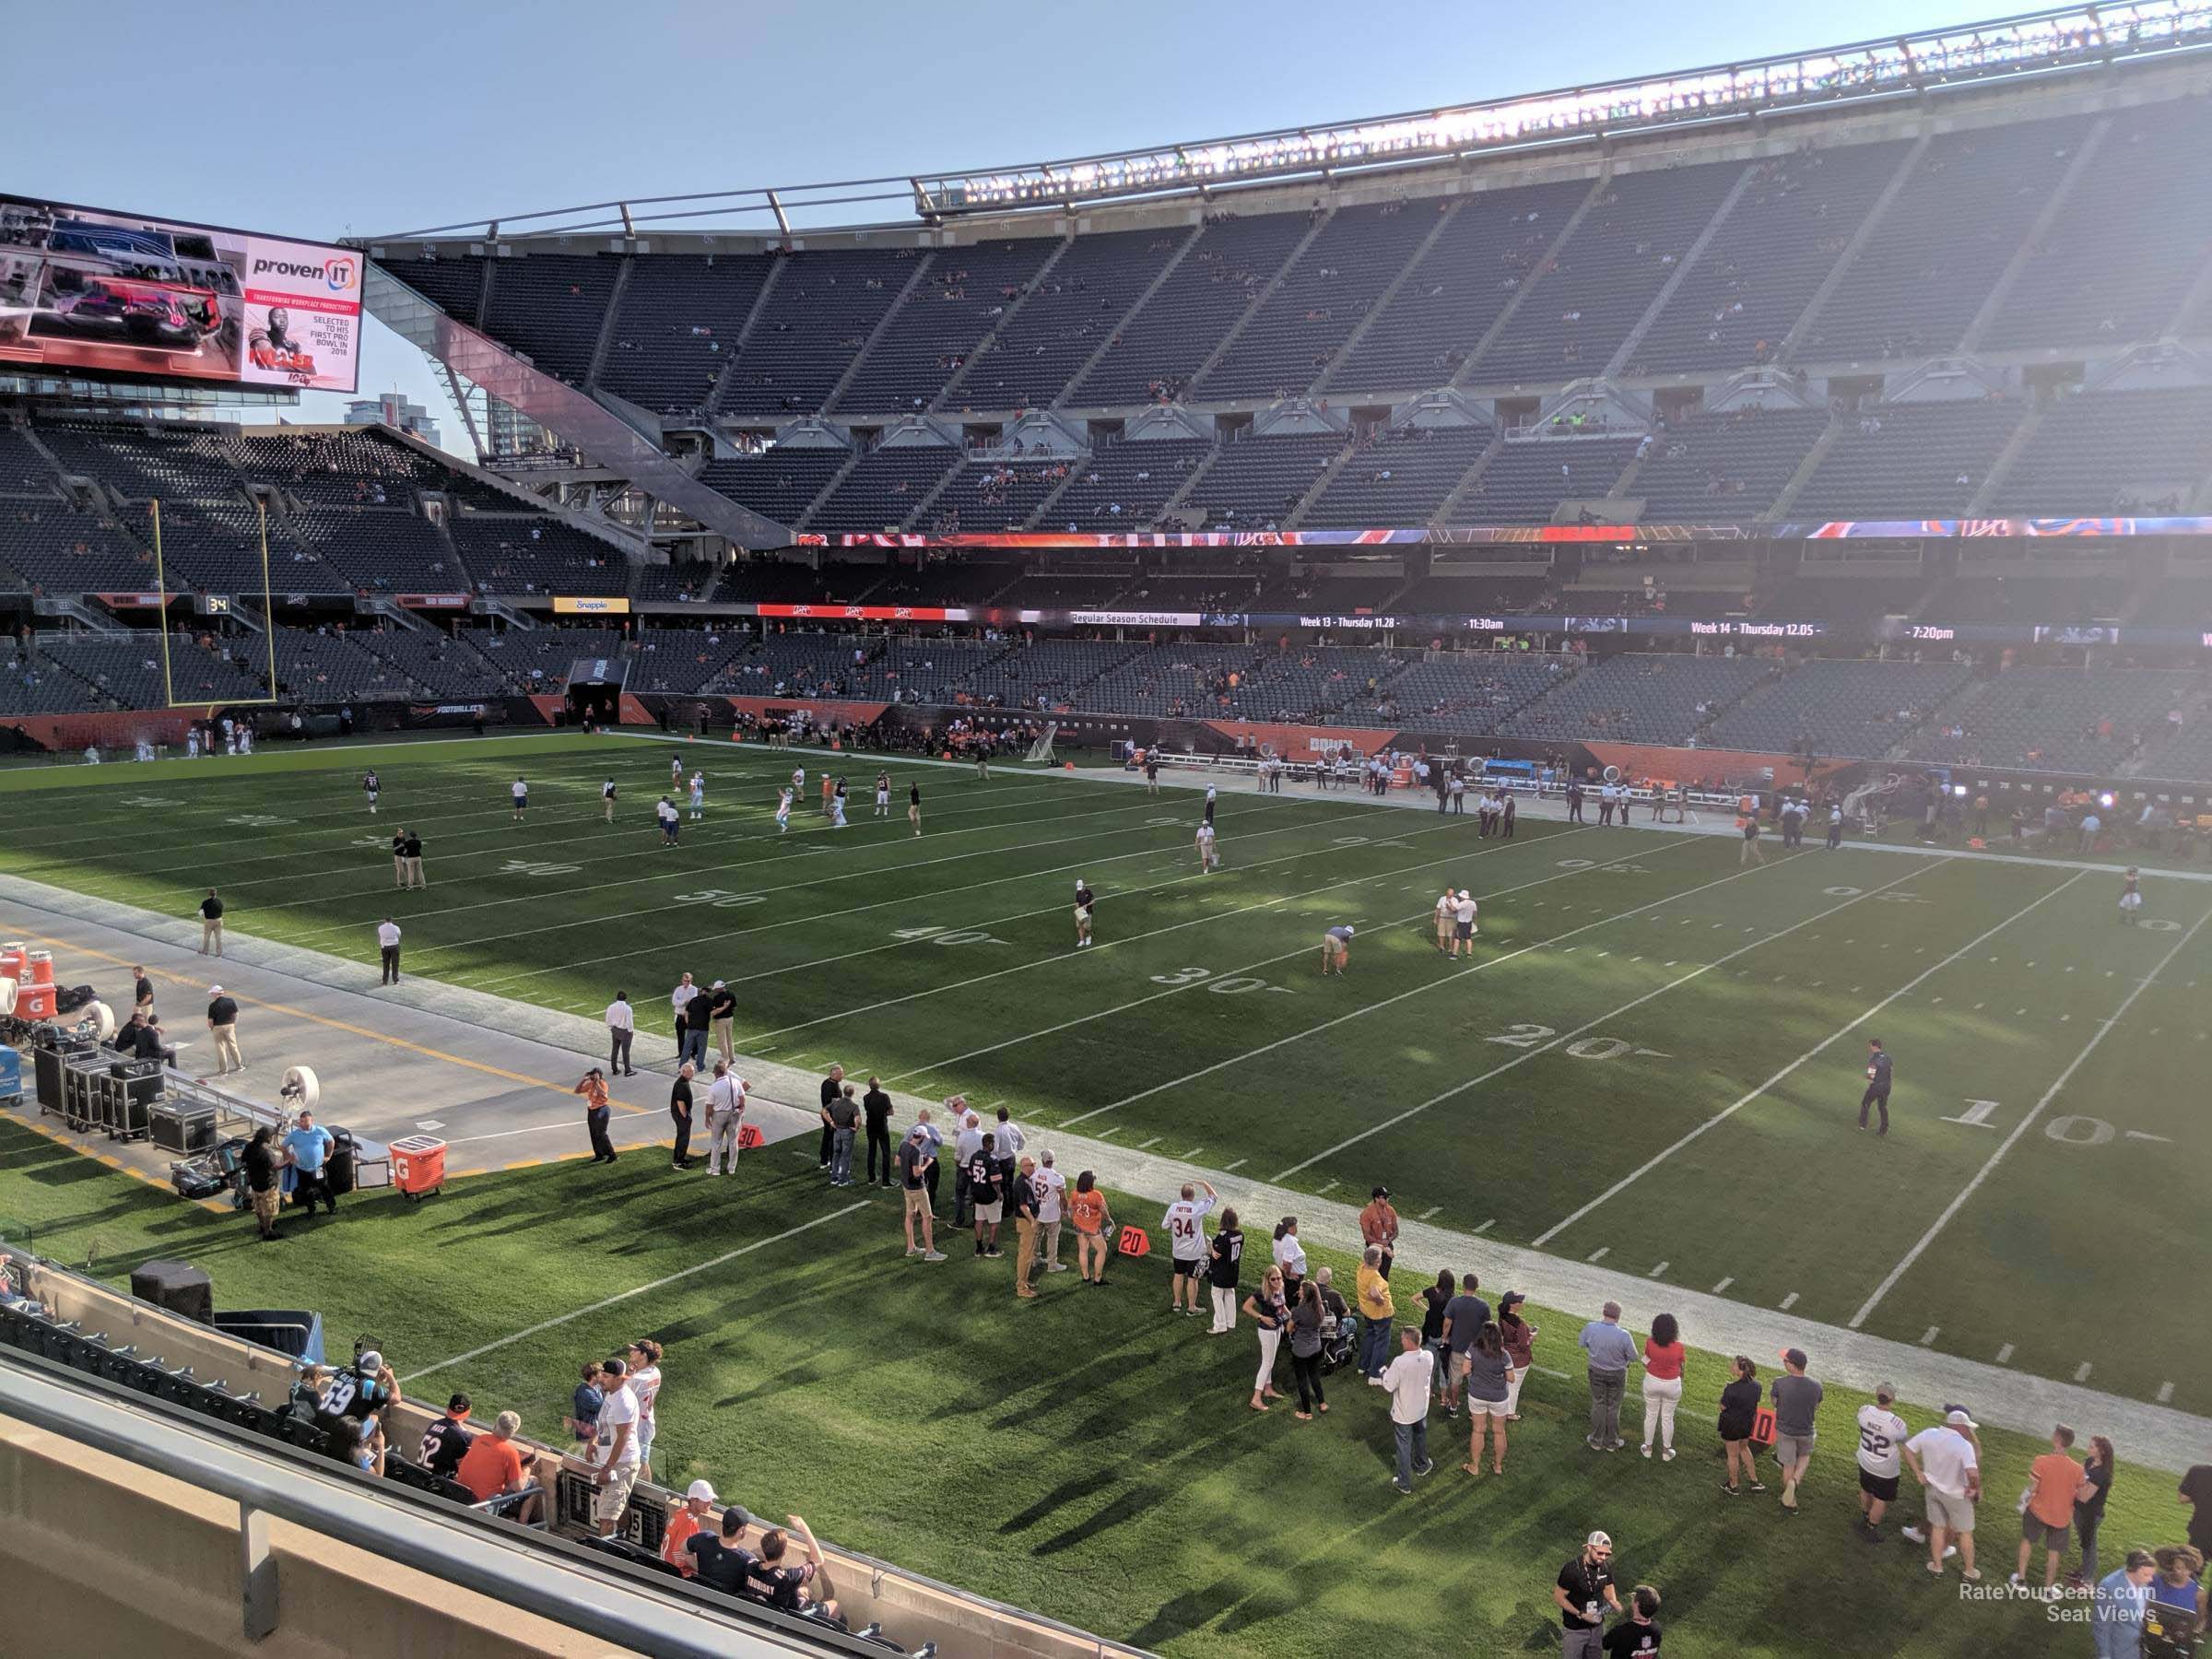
column 259, row 1165
column 876, row 1108
column 679, row 1110
column 445, row 1441
column 1583, row 1594
column 1878, row 1083
column 211, row 924
column 142, row 991
column 149, row 1044
column 413, row 849
column 834, row 1087
column 400, row 857
column 222, row 1025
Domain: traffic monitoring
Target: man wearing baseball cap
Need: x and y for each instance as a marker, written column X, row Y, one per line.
column 1337, row 950
column 222, row 1025
column 1583, row 1594
column 696, row 1516
column 719, row 1559
column 1796, row 1399
column 1947, row 1461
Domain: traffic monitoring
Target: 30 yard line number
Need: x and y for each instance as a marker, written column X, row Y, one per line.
column 1229, row 984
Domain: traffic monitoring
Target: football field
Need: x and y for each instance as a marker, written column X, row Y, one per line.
column 1653, row 1060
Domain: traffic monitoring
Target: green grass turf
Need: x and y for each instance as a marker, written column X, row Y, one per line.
column 1085, row 1455
column 1640, row 1011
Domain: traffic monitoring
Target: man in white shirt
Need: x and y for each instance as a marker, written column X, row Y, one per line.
column 617, row 1470
column 678, row 1000
column 1945, row 1462
column 725, row 1111
column 1184, row 1224
column 387, row 943
column 1447, row 912
column 621, row 1026
column 1411, row 1379
column 1881, row 1441
column 1463, row 922
column 967, row 1141
column 1051, row 1189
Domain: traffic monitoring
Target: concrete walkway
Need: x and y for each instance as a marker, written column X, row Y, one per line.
column 495, row 1076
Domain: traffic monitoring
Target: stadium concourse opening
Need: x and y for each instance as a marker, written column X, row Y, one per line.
column 1561, row 747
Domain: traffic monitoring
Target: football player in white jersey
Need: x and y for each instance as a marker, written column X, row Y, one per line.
column 783, row 812
column 883, row 795
column 699, row 794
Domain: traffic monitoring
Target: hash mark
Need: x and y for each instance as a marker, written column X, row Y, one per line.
column 2165, row 1393
column 1723, row 1286
column 2081, row 1372
column 2004, row 1354
column 1331, row 1187
column 1430, row 1211
column 1928, row 1338
column 1145, row 1146
column 1238, row 1165
column 1655, row 1272
column 1488, row 1225
column 1789, row 1301
column 1599, row 1254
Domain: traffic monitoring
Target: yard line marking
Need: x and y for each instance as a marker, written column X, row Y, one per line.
column 1303, row 951
column 1927, row 1338
column 1040, row 961
column 2004, row 1354
column 1968, row 1191
column 1145, row 1146
column 1587, row 1026
column 1655, row 1272
column 1238, row 1165
column 1789, row 1301
column 2165, row 1394
column 826, row 915
column 1488, row 1225
column 1599, row 1254
column 1730, row 1111
column 1723, row 1286
column 623, row 1296
column 2081, row 1372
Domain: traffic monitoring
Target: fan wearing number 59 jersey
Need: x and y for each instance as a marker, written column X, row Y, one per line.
column 1881, row 1435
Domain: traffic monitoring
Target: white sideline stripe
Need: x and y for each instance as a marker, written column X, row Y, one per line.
column 1591, row 1025
column 623, row 1296
column 1306, row 951
column 1226, row 915
column 1727, row 1112
column 1996, row 1157
column 808, row 882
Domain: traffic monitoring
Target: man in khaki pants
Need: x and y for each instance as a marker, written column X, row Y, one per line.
column 222, row 1025
column 211, row 924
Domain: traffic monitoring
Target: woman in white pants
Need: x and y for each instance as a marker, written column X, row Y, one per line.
column 1520, row 1339
column 1222, row 1271
column 1662, row 1355
column 1267, row 1307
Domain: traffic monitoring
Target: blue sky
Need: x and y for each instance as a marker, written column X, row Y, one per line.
column 357, row 119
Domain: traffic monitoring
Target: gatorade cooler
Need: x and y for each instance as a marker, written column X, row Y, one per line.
column 417, row 1166
column 35, row 1001
column 39, row 968
column 11, row 960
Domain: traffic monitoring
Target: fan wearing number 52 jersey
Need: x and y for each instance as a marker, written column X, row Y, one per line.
column 1881, row 1435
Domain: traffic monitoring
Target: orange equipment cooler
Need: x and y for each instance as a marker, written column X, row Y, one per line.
column 417, row 1166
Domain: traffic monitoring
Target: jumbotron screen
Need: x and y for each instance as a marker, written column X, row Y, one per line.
column 86, row 290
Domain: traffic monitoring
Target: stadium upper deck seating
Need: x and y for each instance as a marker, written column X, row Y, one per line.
column 779, row 483
column 677, row 328
column 1944, row 243
column 48, row 546
column 991, row 495
column 1123, row 485
column 813, row 324
column 453, row 282
column 1156, row 351
column 960, row 299
column 2127, row 240
column 1782, row 235
column 1458, row 289
column 1577, row 313
column 551, row 307
column 1071, row 311
column 1295, row 334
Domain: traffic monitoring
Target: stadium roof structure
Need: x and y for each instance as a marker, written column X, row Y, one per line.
column 2024, row 46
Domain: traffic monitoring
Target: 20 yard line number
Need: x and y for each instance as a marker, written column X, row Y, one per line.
column 1526, row 1035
